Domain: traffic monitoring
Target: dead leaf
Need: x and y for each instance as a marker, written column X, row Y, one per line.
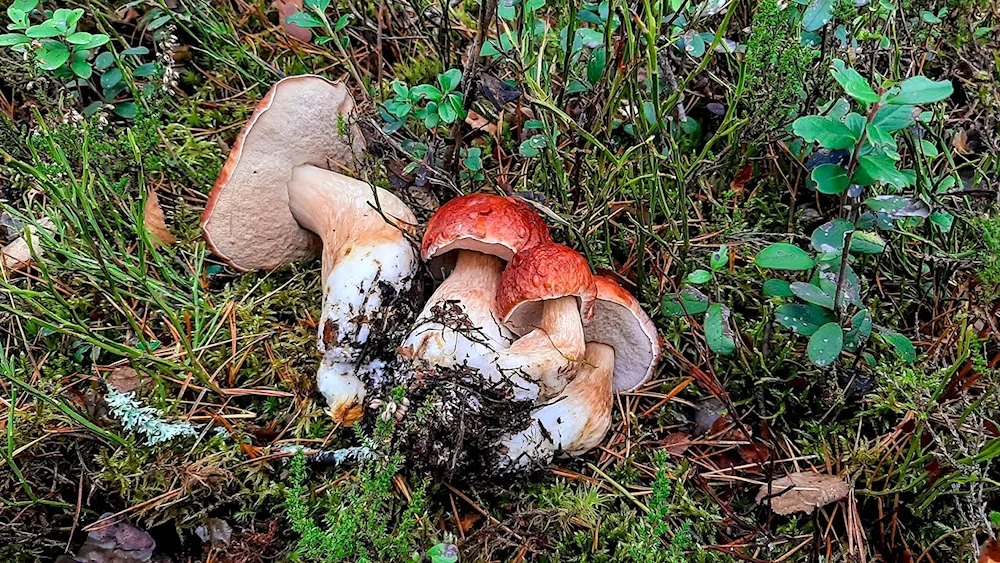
column 124, row 379
column 17, row 254
column 676, row 443
column 960, row 142
column 744, row 175
column 754, row 453
column 804, row 491
column 991, row 552
column 155, row 222
column 480, row 123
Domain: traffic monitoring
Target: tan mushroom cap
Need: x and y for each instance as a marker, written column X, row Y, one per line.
column 542, row 272
column 620, row 322
column 301, row 120
column 491, row 224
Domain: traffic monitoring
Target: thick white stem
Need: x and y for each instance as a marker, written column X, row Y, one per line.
column 548, row 354
column 367, row 264
column 574, row 422
column 459, row 325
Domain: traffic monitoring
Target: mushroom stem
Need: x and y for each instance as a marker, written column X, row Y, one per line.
column 575, row 421
column 368, row 265
column 460, row 326
column 547, row 355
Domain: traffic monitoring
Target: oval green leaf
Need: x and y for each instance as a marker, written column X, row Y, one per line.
column 812, row 294
column 829, row 237
column 783, row 256
column 777, row 288
column 718, row 333
column 802, row 319
column 830, row 179
column 826, row 344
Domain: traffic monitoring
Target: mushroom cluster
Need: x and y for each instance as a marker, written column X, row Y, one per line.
column 520, row 336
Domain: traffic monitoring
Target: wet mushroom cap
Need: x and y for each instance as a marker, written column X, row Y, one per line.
column 491, row 224
column 620, row 322
column 302, row 120
column 540, row 273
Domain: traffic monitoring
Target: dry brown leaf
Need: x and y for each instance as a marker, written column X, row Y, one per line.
column 804, row 491
column 676, row 443
column 744, row 175
column 17, row 255
column 156, row 224
column 124, row 379
column 960, row 142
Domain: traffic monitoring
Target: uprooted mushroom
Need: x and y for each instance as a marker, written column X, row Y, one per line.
column 545, row 295
column 460, row 324
column 276, row 201
column 622, row 350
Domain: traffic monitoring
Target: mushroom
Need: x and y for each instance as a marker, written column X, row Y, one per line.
column 275, row 202
column 546, row 294
column 622, row 350
column 459, row 326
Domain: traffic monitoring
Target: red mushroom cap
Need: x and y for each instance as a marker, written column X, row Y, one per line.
column 545, row 271
column 301, row 120
column 491, row 224
column 620, row 322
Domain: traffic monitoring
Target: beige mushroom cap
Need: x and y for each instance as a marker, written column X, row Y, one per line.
column 620, row 322
column 302, row 120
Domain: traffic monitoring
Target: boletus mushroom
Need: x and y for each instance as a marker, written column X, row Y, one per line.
column 545, row 295
column 276, row 201
column 622, row 350
column 460, row 324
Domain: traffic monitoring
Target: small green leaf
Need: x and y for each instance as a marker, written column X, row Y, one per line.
column 718, row 333
column 853, row 83
column 691, row 302
column 830, row 179
column 873, row 169
column 82, row 68
column 447, row 113
column 342, row 22
column 595, row 67
column 450, row 80
column 9, row 39
column 826, row 344
column 929, row 17
column 921, row 90
column 135, row 51
column 802, row 319
column 829, row 237
column 104, row 60
column 880, row 137
column 96, row 40
column 861, row 329
column 812, row 294
column 818, row 13
column 126, row 110
column 698, row 277
column 92, row 108
column 79, row 38
column 43, row 30
column 864, row 242
column 303, row 19
column 901, row 344
column 147, row 69
column 317, row 5
column 894, row 118
column 426, row 91
column 720, row 258
column 489, row 49
column 532, row 146
column 827, row 132
column 943, row 220
column 111, row 78
column 777, row 288
column 52, row 55
column 928, row 148
column 783, row 256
